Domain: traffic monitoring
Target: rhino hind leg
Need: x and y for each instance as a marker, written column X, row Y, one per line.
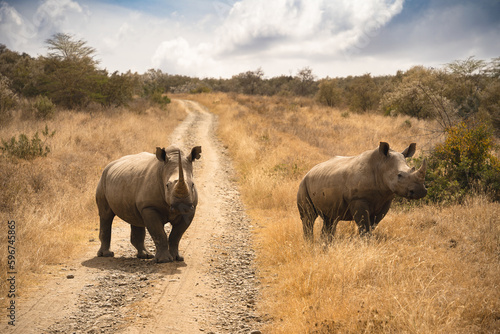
column 307, row 212
column 137, row 236
column 308, row 216
column 105, row 236
column 106, row 216
column 328, row 230
column 308, row 227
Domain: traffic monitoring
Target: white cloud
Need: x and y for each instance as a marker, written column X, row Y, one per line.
column 278, row 35
column 281, row 29
column 54, row 16
column 28, row 34
column 115, row 39
column 303, row 27
column 14, row 28
column 126, row 39
column 178, row 57
column 226, row 37
column 8, row 15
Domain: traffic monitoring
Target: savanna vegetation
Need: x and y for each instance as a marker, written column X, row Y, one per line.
column 51, row 196
column 431, row 265
column 428, row 267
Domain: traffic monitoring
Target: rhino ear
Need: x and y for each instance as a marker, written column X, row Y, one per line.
column 410, row 150
column 384, row 148
column 195, row 153
column 161, row 154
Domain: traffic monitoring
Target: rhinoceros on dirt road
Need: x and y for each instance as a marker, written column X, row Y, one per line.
column 147, row 191
column 358, row 187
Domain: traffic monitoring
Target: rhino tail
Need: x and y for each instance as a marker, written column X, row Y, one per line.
column 308, row 212
column 304, row 202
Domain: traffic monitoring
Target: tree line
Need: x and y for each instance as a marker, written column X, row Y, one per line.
column 459, row 90
column 69, row 76
column 462, row 96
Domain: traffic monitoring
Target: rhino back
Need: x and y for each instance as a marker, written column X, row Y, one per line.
column 326, row 183
column 334, row 184
column 338, row 172
column 132, row 183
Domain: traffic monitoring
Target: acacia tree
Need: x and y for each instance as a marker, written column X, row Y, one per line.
column 305, row 82
column 466, row 84
column 64, row 47
column 71, row 77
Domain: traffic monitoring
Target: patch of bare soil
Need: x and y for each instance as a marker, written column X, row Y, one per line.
column 213, row 291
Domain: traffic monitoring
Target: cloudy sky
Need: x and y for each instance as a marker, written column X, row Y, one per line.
column 222, row 38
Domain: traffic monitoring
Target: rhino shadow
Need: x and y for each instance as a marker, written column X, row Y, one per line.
column 133, row 265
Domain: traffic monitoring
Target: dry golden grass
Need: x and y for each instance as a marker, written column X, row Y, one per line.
column 52, row 199
column 427, row 269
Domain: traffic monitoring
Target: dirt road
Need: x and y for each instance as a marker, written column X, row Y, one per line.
column 213, row 291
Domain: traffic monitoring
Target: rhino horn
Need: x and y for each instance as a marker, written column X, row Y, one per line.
column 421, row 171
column 181, row 172
column 181, row 189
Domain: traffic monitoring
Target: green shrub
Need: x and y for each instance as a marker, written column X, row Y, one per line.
column 329, row 93
column 362, row 94
column 200, row 89
column 44, row 108
column 25, row 148
column 463, row 164
column 158, row 97
column 408, row 99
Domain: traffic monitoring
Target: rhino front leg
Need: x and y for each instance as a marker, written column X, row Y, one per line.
column 361, row 215
column 375, row 219
column 137, row 236
column 155, row 226
column 178, row 228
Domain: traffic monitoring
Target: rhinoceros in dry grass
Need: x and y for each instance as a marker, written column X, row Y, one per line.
column 147, row 191
column 359, row 188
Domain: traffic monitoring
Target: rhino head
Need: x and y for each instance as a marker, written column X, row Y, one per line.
column 398, row 176
column 180, row 191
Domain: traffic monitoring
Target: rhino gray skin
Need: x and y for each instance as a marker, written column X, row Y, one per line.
column 359, row 188
column 147, row 191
